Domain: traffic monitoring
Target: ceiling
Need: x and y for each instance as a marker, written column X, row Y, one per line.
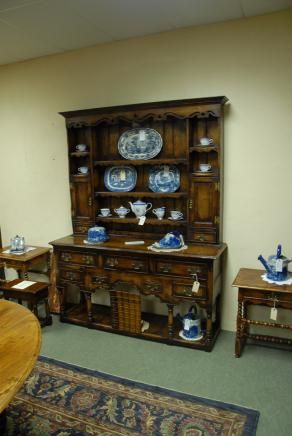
column 34, row 28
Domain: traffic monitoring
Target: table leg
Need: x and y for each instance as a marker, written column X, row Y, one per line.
column 88, row 306
column 2, row 421
column 240, row 339
column 170, row 320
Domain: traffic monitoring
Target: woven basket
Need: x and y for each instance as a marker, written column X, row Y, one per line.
column 126, row 311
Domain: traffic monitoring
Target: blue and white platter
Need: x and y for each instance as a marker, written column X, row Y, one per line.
column 164, row 178
column 120, row 178
column 140, row 144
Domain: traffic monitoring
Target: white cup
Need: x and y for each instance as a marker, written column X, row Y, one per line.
column 206, row 141
column 83, row 170
column 205, row 167
column 176, row 214
column 105, row 211
column 81, row 147
column 159, row 212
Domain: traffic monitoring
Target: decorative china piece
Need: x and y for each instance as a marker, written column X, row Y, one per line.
column 122, row 211
column 159, row 212
column 17, row 244
column 206, row 141
column 120, row 178
column 191, row 325
column 105, row 212
column 164, row 178
column 139, row 208
column 81, row 147
column 140, row 144
column 205, row 167
column 276, row 266
column 83, row 170
column 171, row 240
column 176, row 215
column 96, row 235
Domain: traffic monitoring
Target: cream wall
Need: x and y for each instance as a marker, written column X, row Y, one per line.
column 249, row 61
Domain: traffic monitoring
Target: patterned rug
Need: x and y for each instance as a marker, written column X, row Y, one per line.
column 62, row 399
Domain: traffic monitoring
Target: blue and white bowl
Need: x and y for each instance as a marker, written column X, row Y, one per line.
column 96, row 234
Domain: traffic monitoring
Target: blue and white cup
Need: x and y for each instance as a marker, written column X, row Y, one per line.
column 159, row 212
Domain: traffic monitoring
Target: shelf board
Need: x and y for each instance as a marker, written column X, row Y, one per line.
column 152, row 221
column 79, row 153
column 203, row 148
column 141, row 194
column 142, row 162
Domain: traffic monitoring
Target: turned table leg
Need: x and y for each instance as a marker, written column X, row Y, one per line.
column 170, row 320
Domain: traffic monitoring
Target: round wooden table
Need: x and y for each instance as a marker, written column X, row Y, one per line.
column 20, row 342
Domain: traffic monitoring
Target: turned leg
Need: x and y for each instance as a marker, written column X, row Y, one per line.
column 239, row 329
column 61, row 290
column 209, row 326
column 170, row 320
column 88, row 306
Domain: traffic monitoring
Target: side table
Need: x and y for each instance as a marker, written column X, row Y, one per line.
column 23, row 262
column 253, row 290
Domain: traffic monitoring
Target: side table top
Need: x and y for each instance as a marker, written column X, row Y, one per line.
column 25, row 257
column 20, row 343
column 252, row 279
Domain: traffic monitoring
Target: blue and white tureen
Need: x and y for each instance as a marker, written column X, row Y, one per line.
column 96, row 235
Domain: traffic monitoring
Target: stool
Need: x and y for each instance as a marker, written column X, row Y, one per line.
column 33, row 295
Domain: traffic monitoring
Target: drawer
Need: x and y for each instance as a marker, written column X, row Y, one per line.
column 125, row 263
column 184, row 291
column 204, row 237
column 77, row 258
column 70, row 276
column 181, row 269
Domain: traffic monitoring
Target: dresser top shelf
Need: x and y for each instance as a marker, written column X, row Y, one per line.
column 118, row 245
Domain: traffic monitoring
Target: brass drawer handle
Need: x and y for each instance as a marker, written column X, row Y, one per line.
column 88, row 260
column 101, row 281
column 152, row 287
column 137, row 266
column 165, row 268
column 193, row 271
column 66, row 257
column 70, row 276
column 111, row 262
column 187, row 292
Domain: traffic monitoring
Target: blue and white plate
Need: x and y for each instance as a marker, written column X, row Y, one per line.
column 164, row 178
column 120, row 178
column 140, row 144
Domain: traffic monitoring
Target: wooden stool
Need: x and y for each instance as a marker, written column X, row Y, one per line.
column 33, row 295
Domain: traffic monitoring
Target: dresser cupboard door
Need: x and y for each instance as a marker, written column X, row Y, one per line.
column 81, row 199
column 204, row 211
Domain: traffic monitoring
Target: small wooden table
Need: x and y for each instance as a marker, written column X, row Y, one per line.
column 22, row 263
column 34, row 295
column 20, row 342
column 253, row 290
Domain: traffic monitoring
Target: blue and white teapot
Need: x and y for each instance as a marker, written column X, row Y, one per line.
column 276, row 266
